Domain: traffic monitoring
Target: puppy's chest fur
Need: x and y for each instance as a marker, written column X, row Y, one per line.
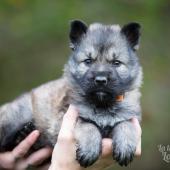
column 104, row 119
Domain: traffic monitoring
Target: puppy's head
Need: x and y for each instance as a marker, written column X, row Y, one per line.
column 104, row 64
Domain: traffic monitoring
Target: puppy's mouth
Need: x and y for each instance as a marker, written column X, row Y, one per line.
column 101, row 98
column 101, row 94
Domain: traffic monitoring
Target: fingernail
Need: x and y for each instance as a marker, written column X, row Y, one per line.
column 73, row 110
column 35, row 133
column 134, row 120
column 72, row 107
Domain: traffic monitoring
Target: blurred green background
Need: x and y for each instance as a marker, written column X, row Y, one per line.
column 34, row 47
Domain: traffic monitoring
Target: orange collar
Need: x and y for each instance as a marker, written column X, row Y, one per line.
column 119, row 98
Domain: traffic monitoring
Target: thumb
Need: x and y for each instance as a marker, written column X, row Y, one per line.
column 69, row 123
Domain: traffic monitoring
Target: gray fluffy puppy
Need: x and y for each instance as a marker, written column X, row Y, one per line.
column 102, row 78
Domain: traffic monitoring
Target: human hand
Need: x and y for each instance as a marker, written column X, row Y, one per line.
column 64, row 153
column 16, row 160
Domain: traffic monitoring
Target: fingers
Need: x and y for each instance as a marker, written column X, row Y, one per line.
column 137, row 125
column 39, row 156
column 106, row 147
column 139, row 132
column 7, row 160
column 68, row 124
column 25, row 145
column 138, row 149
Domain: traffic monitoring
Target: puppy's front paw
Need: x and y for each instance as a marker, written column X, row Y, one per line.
column 87, row 154
column 123, row 152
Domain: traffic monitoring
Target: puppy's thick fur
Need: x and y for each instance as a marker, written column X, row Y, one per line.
column 102, row 67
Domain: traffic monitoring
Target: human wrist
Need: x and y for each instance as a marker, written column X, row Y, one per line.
column 56, row 166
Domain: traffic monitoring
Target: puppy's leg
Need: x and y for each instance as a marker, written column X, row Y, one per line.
column 14, row 117
column 125, row 139
column 15, row 136
column 88, row 143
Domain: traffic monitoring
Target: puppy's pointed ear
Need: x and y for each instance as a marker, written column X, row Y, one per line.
column 132, row 34
column 77, row 30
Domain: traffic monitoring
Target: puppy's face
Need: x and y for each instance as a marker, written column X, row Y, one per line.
column 104, row 63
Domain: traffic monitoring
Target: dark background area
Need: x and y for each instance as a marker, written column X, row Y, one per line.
column 34, row 47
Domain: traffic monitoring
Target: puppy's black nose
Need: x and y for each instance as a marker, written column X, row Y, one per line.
column 100, row 80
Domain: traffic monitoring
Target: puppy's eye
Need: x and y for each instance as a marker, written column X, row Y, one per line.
column 88, row 61
column 116, row 63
